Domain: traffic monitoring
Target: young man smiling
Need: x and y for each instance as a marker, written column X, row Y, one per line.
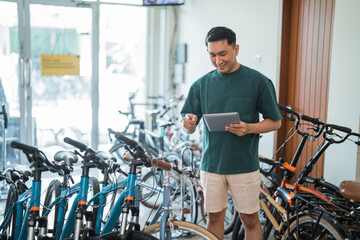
column 230, row 157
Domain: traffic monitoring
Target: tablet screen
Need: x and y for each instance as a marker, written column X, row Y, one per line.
column 218, row 121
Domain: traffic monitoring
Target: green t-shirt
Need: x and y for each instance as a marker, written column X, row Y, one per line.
column 245, row 91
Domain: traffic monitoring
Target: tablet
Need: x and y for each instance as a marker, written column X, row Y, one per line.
column 218, row 121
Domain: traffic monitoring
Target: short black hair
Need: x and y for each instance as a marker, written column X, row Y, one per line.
column 220, row 33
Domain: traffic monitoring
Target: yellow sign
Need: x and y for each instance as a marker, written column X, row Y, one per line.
column 59, row 65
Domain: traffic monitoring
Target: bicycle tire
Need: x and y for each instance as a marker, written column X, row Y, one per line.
column 9, row 227
column 230, row 217
column 186, row 229
column 238, row 230
column 131, row 235
column 53, row 192
column 85, row 238
column 304, row 226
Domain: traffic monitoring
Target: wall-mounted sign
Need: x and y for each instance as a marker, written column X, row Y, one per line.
column 55, row 64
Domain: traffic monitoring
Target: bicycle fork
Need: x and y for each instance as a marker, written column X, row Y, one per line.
column 164, row 234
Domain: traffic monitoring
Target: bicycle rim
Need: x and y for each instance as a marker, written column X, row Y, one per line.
column 310, row 227
column 131, row 235
column 182, row 230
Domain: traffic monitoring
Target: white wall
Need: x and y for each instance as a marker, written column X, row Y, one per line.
column 257, row 26
column 342, row 161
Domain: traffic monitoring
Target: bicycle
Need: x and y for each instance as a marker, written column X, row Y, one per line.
column 167, row 224
column 298, row 188
column 58, row 194
column 137, row 154
column 95, row 224
column 23, row 208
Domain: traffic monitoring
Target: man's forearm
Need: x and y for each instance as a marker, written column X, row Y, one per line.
column 267, row 125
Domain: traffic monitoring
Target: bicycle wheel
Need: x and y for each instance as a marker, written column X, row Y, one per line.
column 9, row 228
column 238, row 230
column 53, row 192
column 130, row 235
column 184, row 206
column 230, row 216
column 181, row 230
column 149, row 196
column 118, row 150
column 313, row 227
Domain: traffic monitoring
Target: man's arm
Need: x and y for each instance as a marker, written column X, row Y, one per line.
column 243, row 128
column 189, row 123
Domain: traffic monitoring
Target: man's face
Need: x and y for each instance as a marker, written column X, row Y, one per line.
column 223, row 56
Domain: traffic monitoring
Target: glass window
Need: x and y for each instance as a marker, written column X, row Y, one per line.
column 122, row 63
column 9, row 83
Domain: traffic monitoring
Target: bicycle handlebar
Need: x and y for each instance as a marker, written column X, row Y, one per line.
column 273, row 164
column 82, row 147
column 24, row 147
column 38, row 156
column 288, row 110
column 161, row 164
column 326, row 128
column 128, row 141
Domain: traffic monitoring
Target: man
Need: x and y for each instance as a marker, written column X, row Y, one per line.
column 230, row 157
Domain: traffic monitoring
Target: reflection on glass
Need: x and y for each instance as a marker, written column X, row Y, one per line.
column 9, row 57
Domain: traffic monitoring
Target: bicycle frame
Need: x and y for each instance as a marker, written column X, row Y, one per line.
column 19, row 205
column 25, row 229
column 129, row 197
column 62, row 200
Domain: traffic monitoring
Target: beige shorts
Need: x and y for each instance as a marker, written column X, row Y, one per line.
column 244, row 189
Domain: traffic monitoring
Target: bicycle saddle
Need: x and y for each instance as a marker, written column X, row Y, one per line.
column 164, row 123
column 350, row 189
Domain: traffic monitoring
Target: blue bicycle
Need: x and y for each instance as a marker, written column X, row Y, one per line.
column 94, row 224
column 22, row 219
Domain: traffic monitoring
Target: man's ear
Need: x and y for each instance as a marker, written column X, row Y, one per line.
column 236, row 49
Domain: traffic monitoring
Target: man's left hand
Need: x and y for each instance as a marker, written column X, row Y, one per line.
column 240, row 129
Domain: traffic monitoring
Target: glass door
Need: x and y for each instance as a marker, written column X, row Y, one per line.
column 9, row 82
column 59, row 94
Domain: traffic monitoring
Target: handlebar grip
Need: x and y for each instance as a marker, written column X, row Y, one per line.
column 340, row 128
column 289, row 167
column 161, row 164
column 3, row 111
column 121, row 137
column 287, row 109
column 24, row 147
column 82, row 147
column 310, row 119
column 267, row 161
